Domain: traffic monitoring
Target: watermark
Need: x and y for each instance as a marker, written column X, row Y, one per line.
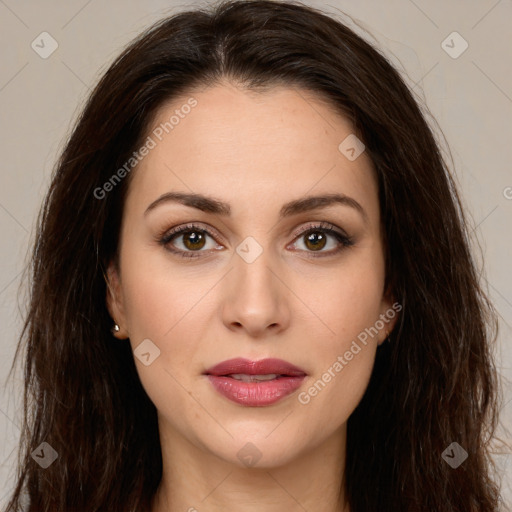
column 174, row 120
column 507, row 192
column 249, row 249
column 44, row 45
column 343, row 360
column 146, row 352
column 249, row 454
column 351, row 147
column 454, row 455
column 454, row 45
column 44, row 455
column 150, row 143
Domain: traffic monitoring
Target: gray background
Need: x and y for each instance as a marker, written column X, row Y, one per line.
column 470, row 97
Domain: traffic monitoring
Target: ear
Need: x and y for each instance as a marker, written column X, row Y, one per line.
column 114, row 301
column 390, row 312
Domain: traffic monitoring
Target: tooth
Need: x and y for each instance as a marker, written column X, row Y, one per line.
column 253, row 378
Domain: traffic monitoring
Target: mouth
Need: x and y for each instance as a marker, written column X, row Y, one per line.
column 255, row 383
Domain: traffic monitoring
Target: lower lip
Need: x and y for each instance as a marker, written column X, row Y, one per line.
column 255, row 394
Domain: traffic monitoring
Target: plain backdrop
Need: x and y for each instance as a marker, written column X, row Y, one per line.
column 469, row 94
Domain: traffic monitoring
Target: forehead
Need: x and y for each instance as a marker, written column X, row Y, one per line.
column 248, row 147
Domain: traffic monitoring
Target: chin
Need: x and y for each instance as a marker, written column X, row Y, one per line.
column 259, row 452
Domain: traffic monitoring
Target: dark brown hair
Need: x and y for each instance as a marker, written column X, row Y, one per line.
column 435, row 383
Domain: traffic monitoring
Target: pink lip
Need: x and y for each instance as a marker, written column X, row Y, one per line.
column 255, row 394
column 261, row 367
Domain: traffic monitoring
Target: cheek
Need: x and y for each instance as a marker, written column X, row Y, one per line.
column 162, row 310
column 152, row 306
column 332, row 395
column 159, row 297
column 348, row 302
column 348, row 298
column 343, row 368
column 164, row 307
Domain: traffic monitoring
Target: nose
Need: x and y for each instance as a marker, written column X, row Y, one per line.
column 257, row 298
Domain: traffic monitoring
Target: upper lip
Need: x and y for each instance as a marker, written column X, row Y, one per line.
column 261, row 367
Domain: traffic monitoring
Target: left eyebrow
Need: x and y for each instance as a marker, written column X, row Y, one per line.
column 309, row 203
column 215, row 206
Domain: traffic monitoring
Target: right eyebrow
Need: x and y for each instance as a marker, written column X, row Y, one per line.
column 198, row 201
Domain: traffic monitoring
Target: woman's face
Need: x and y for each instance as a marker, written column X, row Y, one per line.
column 257, row 276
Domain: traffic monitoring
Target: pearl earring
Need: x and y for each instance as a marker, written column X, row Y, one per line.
column 116, row 328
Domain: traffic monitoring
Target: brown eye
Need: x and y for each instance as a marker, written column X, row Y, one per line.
column 187, row 241
column 193, row 240
column 315, row 240
column 325, row 239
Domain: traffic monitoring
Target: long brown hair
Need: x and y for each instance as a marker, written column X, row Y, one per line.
column 435, row 382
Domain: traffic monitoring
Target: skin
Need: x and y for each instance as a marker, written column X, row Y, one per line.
column 255, row 152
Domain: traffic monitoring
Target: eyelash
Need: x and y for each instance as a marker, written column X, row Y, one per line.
column 324, row 227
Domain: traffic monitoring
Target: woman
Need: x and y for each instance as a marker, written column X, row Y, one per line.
column 252, row 288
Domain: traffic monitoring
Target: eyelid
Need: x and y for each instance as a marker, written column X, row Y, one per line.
column 320, row 225
column 189, row 226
